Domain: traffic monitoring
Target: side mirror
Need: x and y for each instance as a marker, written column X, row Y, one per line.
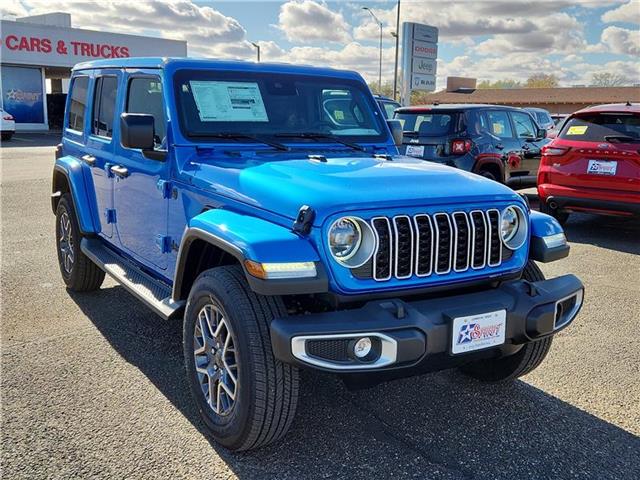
column 396, row 131
column 542, row 133
column 136, row 130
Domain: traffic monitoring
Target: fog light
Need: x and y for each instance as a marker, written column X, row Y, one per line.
column 362, row 347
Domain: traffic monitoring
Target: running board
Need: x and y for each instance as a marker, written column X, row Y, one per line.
column 155, row 294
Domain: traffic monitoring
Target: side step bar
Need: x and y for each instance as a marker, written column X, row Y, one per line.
column 154, row 293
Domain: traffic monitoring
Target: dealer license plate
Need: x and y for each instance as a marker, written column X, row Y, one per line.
column 602, row 167
column 415, row 151
column 476, row 332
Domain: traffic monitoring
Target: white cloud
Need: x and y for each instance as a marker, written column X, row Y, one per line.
column 307, row 20
column 628, row 13
column 622, row 41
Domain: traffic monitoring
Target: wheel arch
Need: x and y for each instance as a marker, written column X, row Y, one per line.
column 68, row 178
column 492, row 163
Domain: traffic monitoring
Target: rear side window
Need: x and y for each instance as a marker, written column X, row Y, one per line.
column 525, row 128
column 603, row 127
column 428, row 124
column 78, row 103
column 145, row 96
column 389, row 109
column 104, row 104
column 496, row 122
column 543, row 118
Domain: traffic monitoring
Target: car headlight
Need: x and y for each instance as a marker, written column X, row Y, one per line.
column 351, row 241
column 513, row 227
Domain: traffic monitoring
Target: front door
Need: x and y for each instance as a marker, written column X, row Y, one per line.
column 141, row 190
column 497, row 123
column 526, row 132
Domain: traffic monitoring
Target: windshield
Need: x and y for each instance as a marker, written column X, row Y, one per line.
column 218, row 106
column 603, row 127
column 428, row 124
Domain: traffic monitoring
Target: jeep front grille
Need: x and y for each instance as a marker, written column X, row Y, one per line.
column 437, row 244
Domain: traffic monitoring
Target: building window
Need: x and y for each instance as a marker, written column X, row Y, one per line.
column 104, row 104
column 145, row 96
column 78, row 104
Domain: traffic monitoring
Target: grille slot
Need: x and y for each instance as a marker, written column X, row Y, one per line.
column 425, row 245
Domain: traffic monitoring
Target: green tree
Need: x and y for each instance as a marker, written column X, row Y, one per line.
column 542, row 80
column 506, row 83
column 608, row 79
column 386, row 90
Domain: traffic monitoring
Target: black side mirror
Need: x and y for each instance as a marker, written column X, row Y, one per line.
column 136, row 130
column 396, row 131
column 542, row 133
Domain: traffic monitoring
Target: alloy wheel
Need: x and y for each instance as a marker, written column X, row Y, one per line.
column 66, row 243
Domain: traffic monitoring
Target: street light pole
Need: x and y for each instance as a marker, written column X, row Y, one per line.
column 380, row 65
column 257, row 49
column 395, row 68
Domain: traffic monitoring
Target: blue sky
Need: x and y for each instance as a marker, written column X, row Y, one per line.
column 490, row 40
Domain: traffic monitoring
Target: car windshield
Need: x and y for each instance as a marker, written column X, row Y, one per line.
column 427, row 124
column 221, row 106
column 603, row 127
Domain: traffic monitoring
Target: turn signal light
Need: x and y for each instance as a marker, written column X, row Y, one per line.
column 270, row 271
column 460, row 146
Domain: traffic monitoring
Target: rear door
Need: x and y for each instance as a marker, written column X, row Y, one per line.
column 526, row 131
column 428, row 135
column 602, row 151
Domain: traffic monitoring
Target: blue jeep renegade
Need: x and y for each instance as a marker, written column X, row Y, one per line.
column 267, row 206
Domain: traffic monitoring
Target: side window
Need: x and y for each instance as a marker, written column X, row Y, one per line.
column 498, row 124
column 524, row 125
column 78, row 103
column 145, row 96
column 389, row 109
column 104, row 104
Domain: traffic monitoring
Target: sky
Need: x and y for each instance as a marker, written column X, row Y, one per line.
column 488, row 40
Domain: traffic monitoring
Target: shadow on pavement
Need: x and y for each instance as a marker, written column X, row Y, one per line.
column 436, row 426
column 613, row 233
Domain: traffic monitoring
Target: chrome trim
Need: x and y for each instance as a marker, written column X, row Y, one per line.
column 375, row 253
column 473, row 243
column 572, row 313
column 499, row 239
column 397, row 245
column 415, row 221
column 455, row 241
column 437, row 243
column 387, row 356
column 522, row 223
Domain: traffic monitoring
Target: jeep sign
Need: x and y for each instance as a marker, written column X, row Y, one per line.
column 419, row 58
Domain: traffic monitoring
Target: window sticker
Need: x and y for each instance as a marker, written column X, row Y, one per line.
column 498, row 128
column 228, row 101
column 577, row 130
column 338, row 114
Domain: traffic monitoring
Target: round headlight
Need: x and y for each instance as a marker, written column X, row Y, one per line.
column 345, row 236
column 351, row 241
column 513, row 227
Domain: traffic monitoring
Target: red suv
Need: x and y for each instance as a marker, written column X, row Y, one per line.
column 594, row 164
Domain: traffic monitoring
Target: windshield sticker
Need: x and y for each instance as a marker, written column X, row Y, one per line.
column 577, row 130
column 228, row 101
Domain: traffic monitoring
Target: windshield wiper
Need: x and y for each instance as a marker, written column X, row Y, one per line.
column 621, row 139
column 239, row 136
column 318, row 136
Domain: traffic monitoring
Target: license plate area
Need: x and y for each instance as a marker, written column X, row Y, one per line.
column 602, row 167
column 477, row 332
column 415, row 151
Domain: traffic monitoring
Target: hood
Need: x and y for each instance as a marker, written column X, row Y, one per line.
column 346, row 184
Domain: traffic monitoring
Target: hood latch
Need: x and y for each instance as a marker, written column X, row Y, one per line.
column 304, row 220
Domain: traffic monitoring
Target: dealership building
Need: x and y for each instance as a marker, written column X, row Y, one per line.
column 38, row 52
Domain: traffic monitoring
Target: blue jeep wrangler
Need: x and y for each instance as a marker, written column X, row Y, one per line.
column 285, row 230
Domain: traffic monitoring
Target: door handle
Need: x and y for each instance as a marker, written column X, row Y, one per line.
column 120, row 171
column 500, row 146
column 89, row 160
column 525, row 147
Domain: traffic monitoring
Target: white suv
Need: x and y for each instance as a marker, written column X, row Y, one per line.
column 7, row 125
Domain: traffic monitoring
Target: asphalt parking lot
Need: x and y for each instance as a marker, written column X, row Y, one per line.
column 93, row 384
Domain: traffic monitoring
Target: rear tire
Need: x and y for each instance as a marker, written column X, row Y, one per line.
column 527, row 359
column 561, row 217
column 79, row 273
column 489, row 175
column 258, row 399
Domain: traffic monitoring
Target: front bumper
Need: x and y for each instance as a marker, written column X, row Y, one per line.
column 407, row 334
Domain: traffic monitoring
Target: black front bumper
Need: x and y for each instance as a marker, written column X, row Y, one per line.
column 422, row 330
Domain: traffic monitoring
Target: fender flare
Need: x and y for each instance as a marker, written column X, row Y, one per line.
column 542, row 225
column 490, row 159
column 72, row 169
column 246, row 237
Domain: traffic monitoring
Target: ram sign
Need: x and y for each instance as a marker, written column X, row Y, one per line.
column 419, row 58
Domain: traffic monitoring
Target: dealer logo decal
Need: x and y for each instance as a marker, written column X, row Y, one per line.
column 471, row 332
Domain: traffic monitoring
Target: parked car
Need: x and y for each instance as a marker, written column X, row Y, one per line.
column 387, row 105
column 227, row 194
column 543, row 118
column 559, row 118
column 500, row 143
column 7, row 125
column 594, row 164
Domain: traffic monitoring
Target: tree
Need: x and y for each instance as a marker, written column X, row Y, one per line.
column 542, row 80
column 608, row 79
column 506, row 83
column 386, row 90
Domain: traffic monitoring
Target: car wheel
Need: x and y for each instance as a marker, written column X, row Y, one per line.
column 79, row 273
column 246, row 398
column 489, row 175
column 6, row 136
column 561, row 217
column 525, row 360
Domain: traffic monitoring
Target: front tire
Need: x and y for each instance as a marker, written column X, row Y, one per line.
column 246, row 398
column 79, row 273
column 527, row 359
